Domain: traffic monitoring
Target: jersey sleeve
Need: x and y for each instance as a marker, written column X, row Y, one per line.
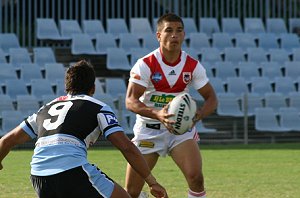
column 29, row 126
column 199, row 77
column 108, row 121
column 140, row 73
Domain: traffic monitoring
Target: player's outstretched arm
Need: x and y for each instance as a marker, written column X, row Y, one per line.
column 7, row 142
column 137, row 161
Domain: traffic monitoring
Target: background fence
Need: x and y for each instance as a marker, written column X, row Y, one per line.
column 18, row 16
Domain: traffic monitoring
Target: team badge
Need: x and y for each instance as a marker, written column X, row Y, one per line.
column 187, row 77
column 110, row 119
column 156, row 77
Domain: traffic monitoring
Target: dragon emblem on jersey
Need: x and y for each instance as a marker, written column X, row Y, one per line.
column 156, row 77
column 187, row 77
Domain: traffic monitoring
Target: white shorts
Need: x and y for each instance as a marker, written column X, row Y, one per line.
column 159, row 141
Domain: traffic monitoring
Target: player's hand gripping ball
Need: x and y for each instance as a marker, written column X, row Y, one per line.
column 184, row 108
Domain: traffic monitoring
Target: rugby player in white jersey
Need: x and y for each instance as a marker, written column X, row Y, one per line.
column 65, row 128
column 155, row 80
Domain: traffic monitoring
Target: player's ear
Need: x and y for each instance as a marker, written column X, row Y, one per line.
column 92, row 91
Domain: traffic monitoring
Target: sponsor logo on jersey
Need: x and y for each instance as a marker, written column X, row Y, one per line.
column 156, row 77
column 187, row 77
column 146, row 144
column 110, row 118
column 172, row 73
column 160, row 101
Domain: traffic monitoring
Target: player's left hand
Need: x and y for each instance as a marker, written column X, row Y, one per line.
column 158, row 191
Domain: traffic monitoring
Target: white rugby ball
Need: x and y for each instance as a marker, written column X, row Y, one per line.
column 184, row 108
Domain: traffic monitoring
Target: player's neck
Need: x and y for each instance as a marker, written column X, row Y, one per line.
column 170, row 58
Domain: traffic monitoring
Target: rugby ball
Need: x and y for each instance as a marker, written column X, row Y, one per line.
column 184, row 108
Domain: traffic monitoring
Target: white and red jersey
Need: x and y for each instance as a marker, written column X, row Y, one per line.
column 163, row 82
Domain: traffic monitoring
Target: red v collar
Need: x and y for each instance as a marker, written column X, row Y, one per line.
column 168, row 63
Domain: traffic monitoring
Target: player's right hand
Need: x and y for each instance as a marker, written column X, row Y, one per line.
column 163, row 117
column 158, row 191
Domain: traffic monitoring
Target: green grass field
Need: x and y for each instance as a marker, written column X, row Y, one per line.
column 235, row 171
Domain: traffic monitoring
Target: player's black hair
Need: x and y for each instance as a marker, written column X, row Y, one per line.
column 168, row 17
column 80, row 78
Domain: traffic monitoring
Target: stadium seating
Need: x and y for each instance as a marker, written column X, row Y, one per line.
column 199, row 40
column 140, row 26
column 237, row 85
column 68, row 27
column 112, row 89
column 92, row 27
column 30, row 71
column 234, row 55
column 244, row 41
column 221, row 41
column 43, row 55
column 232, row 26
column 189, row 26
column 47, row 29
column 41, row 87
column 27, row 104
column 289, row 118
column 18, row 56
column 116, row 26
column 209, row 25
column 276, row 26
column 7, row 41
column 292, row 69
column 127, row 41
column 15, row 87
column 275, row 100
column 103, row 42
column 266, row 120
column 7, row 72
column 117, row 59
column 82, row 45
column 254, row 26
column 11, row 119
column 251, row 101
column 229, row 105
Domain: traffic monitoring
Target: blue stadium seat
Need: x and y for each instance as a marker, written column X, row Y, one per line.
column 140, row 26
column 7, row 41
column 209, row 25
column 127, row 41
column 254, row 26
column 17, row 56
column 30, row 71
column 116, row 26
column 289, row 118
column 221, row 41
column 198, row 41
column 276, row 26
column 43, row 55
column 229, row 105
column 82, row 44
column 117, row 59
column 92, row 27
column 189, row 26
column 103, row 42
column 266, row 120
column 244, row 41
column 68, row 27
column 231, row 26
column 47, row 29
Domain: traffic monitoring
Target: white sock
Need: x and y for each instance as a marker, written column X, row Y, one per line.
column 193, row 194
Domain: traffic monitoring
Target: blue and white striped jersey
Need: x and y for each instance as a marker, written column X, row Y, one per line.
column 65, row 128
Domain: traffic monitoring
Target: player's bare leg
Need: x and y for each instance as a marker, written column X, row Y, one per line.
column 188, row 158
column 134, row 183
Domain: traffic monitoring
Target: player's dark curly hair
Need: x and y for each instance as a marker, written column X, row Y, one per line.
column 80, row 78
column 168, row 17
